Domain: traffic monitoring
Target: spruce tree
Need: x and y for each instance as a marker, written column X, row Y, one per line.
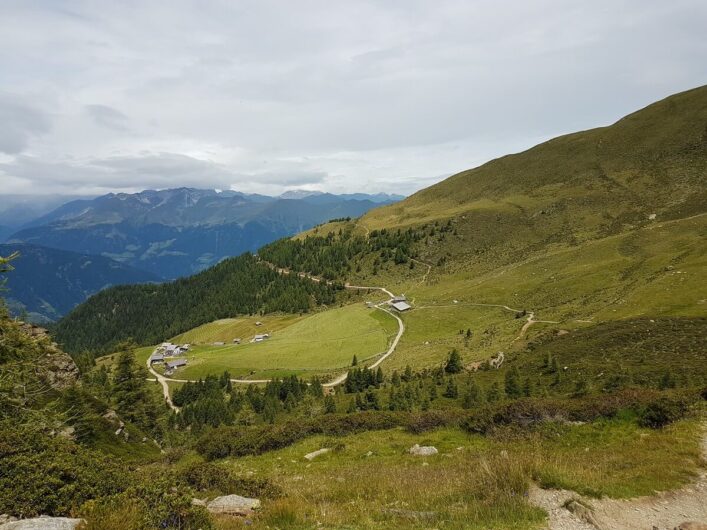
column 472, row 397
column 329, row 404
column 454, row 362
column 395, row 379
column 494, row 393
column 451, row 390
column 352, row 406
column 354, row 362
column 130, row 393
column 512, row 387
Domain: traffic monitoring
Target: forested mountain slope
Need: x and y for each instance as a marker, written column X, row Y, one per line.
column 48, row 283
column 152, row 313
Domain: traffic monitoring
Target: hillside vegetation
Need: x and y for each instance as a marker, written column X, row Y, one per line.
column 152, row 313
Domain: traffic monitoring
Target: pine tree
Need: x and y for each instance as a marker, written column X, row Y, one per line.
column 379, row 376
column 329, row 404
column 454, row 362
column 472, row 397
column 494, row 393
column 451, row 390
column 512, row 387
column 354, row 362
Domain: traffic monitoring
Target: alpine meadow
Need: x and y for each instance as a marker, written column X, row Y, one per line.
column 521, row 345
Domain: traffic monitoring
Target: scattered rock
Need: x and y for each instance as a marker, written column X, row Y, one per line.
column 315, row 454
column 233, row 505
column 582, row 512
column 198, row 502
column 4, row 518
column 112, row 416
column 369, row 453
column 425, row 450
column 43, row 523
column 691, row 525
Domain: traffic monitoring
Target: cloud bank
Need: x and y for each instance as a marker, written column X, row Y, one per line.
column 262, row 96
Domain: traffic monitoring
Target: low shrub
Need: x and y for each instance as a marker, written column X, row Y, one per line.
column 204, row 476
column 152, row 502
column 241, row 441
column 435, row 419
column 45, row 475
column 662, row 412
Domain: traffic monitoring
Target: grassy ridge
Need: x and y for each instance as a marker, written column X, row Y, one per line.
column 650, row 161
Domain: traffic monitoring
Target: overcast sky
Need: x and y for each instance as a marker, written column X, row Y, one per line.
column 371, row 96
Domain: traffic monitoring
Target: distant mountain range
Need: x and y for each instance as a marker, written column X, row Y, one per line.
column 48, row 283
column 154, row 235
column 177, row 232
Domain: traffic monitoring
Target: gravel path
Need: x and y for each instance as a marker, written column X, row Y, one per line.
column 664, row 511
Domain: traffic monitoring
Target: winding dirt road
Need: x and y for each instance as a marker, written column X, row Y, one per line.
column 164, row 381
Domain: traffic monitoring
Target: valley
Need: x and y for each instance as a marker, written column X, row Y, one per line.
column 545, row 367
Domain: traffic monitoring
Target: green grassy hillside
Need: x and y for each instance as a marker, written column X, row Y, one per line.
column 652, row 161
column 317, row 344
column 590, row 227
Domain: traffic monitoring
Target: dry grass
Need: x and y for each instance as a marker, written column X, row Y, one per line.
column 474, row 482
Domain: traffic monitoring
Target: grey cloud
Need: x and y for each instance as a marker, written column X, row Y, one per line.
column 108, row 117
column 151, row 170
column 264, row 94
column 19, row 123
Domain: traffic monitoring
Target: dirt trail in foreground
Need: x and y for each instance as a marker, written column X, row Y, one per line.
column 665, row 511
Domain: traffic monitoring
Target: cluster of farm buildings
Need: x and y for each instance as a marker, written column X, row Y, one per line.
column 167, row 349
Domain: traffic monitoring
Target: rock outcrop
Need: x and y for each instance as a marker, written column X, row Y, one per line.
column 56, row 367
column 424, row 450
column 233, row 505
column 43, row 523
column 315, row 454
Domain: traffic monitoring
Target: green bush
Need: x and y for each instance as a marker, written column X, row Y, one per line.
column 48, row 475
column 241, row 441
column 205, row 476
column 662, row 412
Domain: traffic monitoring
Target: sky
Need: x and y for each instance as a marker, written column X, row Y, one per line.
column 347, row 96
